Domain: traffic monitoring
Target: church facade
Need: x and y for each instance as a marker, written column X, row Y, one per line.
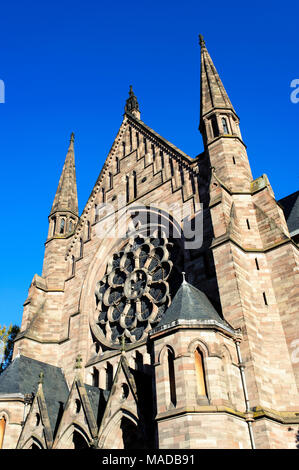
column 166, row 315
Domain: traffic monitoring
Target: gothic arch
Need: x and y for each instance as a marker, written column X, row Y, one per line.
column 163, row 352
column 198, row 343
column 33, row 441
column 66, row 440
column 114, row 436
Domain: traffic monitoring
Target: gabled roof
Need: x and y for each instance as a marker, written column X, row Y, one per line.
column 191, row 306
column 290, row 206
column 22, row 376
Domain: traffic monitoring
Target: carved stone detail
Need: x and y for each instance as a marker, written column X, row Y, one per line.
column 134, row 293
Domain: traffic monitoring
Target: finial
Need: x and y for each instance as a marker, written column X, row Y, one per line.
column 132, row 103
column 78, row 362
column 184, row 276
column 72, row 139
column 201, row 40
column 41, row 377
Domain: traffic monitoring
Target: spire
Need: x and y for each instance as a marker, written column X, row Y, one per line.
column 212, row 93
column 66, row 195
column 132, row 106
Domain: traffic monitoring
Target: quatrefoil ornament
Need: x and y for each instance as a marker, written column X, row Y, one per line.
column 134, row 293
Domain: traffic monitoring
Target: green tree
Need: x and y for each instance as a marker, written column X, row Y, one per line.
column 7, row 337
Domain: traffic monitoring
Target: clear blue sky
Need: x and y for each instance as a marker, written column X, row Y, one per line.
column 67, row 66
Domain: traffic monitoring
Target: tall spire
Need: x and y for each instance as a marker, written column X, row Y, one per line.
column 66, row 199
column 132, row 105
column 212, row 93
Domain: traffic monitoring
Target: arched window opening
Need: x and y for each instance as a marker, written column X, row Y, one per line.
column 225, row 126
column 215, row 127
column 200, row 373
column 171, row 376
column 34, row 447
column 145, row 145
column 130, row 132
column 77, row 405
column 88, row 230
column 137, row 139
column 139, row 361
column 153, row 152
column 117, row 165
column 62, row 225
column 127, row 189
column 71, row 226
column 135, row 184
column 37, row 419
column 2, row 430
column 96, row 213
column 110, row 180
column 81, row 248
column 125, row 391
column 124, row 149
column 162, row 158
column 79, row 441
column 103, row 194
column 95, row 377
column 73, row 265
column 109, row 376
column 54, row 225
column 132, row 435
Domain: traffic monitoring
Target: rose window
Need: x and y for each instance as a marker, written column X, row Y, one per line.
column 134, row 293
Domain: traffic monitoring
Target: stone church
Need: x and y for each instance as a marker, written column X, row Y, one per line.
column 166, row 315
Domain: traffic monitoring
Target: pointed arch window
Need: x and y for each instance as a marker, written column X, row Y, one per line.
column 137, row 139
column 73, row 265
column 95, row 377
column 96, row 213
column 135, row 184
column 124, row 149
column 145, row 145
column 200, row 373
column 71, row 225
column 131, row 144
column 54, row 225
column 62, row 225
column 225, row 126
column 2, row 430
column 171, row 377
column 81, row 248
column 139, row 361
column 109, row 376
column 215, row 126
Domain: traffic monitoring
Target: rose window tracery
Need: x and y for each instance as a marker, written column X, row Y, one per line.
column 134, row 293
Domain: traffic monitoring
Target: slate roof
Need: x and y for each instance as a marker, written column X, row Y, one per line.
column 98, row 399
column 22, row 376
column 191, row 305
column 290, row 206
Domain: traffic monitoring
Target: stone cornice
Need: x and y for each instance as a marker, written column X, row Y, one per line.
column 283, row 417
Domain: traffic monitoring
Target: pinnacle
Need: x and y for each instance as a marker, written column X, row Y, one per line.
column 66, row 194
column 213, row 93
